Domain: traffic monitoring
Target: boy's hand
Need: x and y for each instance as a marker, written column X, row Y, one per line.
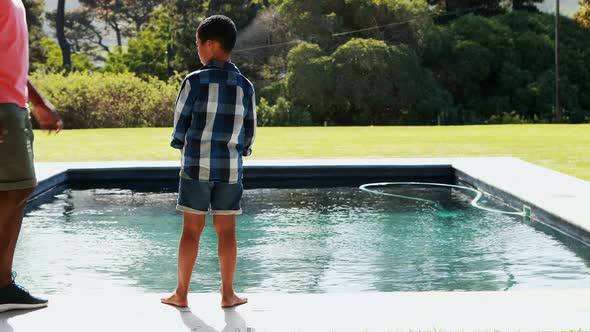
column 48, row 118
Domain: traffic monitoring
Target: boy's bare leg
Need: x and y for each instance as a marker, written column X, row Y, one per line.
column 187, row 256
column 12, row 204
column 227, row 249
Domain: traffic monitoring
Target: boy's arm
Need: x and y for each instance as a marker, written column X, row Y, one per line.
column 250, row 126
column 182, row 115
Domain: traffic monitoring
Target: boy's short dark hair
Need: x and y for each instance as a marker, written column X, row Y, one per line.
column 219, row 28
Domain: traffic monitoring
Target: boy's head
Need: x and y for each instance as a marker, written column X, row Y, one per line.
column 216, row 38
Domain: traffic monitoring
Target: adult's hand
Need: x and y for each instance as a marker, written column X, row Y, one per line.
column 48, row 118
column 3, row 133
column 44, row 112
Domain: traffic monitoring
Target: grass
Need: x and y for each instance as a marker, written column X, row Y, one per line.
column 564, row 148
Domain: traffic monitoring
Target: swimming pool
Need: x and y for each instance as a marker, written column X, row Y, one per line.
column 297, row 241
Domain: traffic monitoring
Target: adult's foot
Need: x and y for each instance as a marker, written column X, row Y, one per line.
column 233, row 301
column 176, row 300
column 15, row 297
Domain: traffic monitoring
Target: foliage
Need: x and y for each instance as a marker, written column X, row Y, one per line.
column 281, row 114
column 53, row 59
column 147, row 55
column 262, row 47
column 138, row 12
column 34, row 12
column 81, row 32
column 457, row 8
column 102, row 100
column 494, row 65
column 242, row 12
column 364, row 81
column 109, row 12
column 327, row 22
column 116, row 62
column 357, row 62
column 583, row 15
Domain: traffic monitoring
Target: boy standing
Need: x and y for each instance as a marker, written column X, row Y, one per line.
column 214, row 126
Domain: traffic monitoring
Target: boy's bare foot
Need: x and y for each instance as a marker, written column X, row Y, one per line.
column 233, row 301
column 176, row 300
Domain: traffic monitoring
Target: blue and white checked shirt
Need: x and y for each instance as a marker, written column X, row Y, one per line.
column 215, row 122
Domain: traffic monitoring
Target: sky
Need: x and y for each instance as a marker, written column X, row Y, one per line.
column 566, row 7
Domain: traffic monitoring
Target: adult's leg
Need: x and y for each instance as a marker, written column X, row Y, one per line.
column 17, row 180
column 187, row 256
column 12, row 204
column 227, row 249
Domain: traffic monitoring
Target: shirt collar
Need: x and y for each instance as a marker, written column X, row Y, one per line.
column 222, row 65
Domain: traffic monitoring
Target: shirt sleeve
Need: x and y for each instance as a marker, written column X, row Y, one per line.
column 250, row 125
column 182, row 115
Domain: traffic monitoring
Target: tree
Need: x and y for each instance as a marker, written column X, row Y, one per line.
column 364, row 82
column 242, row 12
column 166, row 45
column 184, row 17
column 54, row 60
column 309, row 82
column 147, row 54
column 457, row 8
column 527, row 5
column 34, row 11
column 61, row 37
column 500, row 69
column 110, row 12
column 583, row 16
column 138, row 12
column 331, row 23
column 80, row 31
column 116, row 62
column 262, row 48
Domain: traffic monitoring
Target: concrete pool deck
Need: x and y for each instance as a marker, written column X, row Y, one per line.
column 561, row 197
column 368, row 312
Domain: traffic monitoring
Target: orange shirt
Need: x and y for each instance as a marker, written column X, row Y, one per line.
column 14, row 53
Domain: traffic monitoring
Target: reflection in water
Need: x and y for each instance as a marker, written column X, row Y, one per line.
column 296, row 241
column 193, row 322
column 234, row 322
column 5, row 316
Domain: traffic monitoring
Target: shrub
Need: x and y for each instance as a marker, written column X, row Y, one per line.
column 105, row 100
column 281, row 114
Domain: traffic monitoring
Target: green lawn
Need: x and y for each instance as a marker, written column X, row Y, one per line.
column 565, row 148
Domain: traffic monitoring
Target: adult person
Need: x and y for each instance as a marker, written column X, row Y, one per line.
column 17, row 174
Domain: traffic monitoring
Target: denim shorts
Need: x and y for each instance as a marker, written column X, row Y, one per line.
column 16, row 152
column 201, row 197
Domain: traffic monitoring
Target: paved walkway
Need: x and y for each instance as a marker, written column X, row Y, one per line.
column 426, row 311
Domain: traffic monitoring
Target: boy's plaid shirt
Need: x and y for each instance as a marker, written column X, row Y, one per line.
column 215, row 122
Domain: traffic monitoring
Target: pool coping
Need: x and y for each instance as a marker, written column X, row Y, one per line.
column 555, row 199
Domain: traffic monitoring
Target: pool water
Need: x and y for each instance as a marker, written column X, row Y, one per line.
column 297, row 241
